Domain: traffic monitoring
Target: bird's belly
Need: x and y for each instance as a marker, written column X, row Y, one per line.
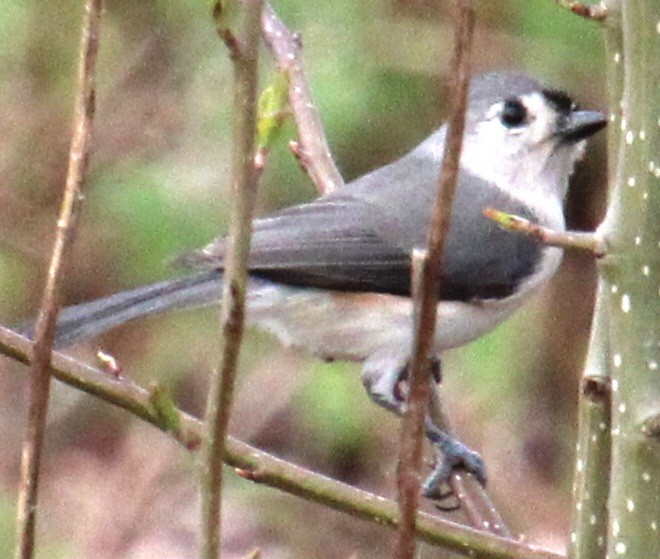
column 354, row 326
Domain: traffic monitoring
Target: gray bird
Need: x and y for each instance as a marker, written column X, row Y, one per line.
column 333, row 275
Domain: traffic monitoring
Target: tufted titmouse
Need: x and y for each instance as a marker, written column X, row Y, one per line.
column 333, row 275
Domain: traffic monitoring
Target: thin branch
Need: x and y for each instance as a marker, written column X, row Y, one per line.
column 576, row 240
column 440, row 219
column 412, row 424
column 244, row 49
column 39, row 386
column 426, row 297
column 480, row 509
column 265, row 469
column 314, row 154
column 596, row 12
column 312, row 149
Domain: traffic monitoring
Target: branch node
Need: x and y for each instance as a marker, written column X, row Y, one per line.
column 110, row 364
column 221, row 14
column 254, row 554
column 250, row 475
column 596, row 388
column 651, row 427
column 164, row 408
column 595, row 12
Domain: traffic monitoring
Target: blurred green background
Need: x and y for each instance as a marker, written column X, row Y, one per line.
column 158, row 186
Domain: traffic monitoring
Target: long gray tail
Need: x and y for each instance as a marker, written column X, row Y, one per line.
column 87, row 320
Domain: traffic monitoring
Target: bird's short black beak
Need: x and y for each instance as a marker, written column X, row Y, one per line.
column 579, row 125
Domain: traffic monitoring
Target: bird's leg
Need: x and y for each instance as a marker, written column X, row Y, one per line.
column 452, row 455
column 381, row 380
column 436, row 370
column 381, row 376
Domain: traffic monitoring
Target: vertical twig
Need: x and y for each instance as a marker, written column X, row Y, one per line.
column 244, row 49
column 412, row 423
column 426, row 299
column 481, row 511
column 39, row 384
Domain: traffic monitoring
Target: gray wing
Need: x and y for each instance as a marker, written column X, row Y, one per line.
column 330, row 243
column 360, row 238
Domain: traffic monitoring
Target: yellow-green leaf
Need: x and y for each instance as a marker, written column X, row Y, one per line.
column 273, row 109
column 164, row 407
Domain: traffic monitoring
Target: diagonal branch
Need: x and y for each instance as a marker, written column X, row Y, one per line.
column 575, row 240
column 312, row 150
column 263, row 468
column 473, row 498
column 39, row 387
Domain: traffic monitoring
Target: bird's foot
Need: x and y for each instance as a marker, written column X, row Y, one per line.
column 453, row 455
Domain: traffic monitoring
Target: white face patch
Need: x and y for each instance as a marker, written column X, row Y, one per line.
column 506, row 148
column 528, row 158
column 542, row 119
column 538, row 128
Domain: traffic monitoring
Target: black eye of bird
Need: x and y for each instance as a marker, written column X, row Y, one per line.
column 513, row 113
